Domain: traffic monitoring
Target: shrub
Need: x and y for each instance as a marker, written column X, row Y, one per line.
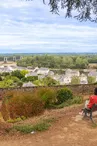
column 47, row 95
column 21, row 103
column 63, row 95
column 14, row 120
column 22, row 118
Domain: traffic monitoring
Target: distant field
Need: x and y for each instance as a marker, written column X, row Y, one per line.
column 8, row 63
column 92, row 65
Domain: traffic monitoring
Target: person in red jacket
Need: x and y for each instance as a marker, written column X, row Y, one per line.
column 92, row 100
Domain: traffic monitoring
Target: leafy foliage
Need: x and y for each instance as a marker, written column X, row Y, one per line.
column 55, row 61
column 40, row 126
column 91, row 79
column 75, row 80
column 48, row 81
column 63, row 95
column 24, row 72
column 30, row 78
column 18, row 74
column 84, row 8
column 10, row 81
column 21, row 103
column 47, row 95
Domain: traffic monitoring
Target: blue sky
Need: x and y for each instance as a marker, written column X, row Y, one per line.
column 30, row 27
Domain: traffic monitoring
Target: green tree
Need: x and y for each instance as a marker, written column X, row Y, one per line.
column 38, row 82
column 10, row 81
column 86, row 9
column 91, row 79
column 6, row 83
column 30, row 78
column 24, row 72
column 48, row 81
column 75, row 80
column 81, row 63
column 18, row 74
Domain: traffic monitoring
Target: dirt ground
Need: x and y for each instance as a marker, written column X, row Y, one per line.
column 68, row 130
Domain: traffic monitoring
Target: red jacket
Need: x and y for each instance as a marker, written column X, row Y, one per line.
column 93, row 100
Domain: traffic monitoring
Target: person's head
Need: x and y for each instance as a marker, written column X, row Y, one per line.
column 95, row 91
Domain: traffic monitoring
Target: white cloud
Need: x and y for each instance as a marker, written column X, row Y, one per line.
column 31, row 25
column 15, row 4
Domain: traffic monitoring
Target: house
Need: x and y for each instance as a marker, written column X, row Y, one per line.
column 65, row 80
column 50, row 73
column 29, row 84
column 40, row 77
column 21, row 68
column 92, row 73
column 72, row 73
column 56, row 77
column 6, row 69
column 35, row 69
column 83, row 79
column 43, row 71
column 31, row 74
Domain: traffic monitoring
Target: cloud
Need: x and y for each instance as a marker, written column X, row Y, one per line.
column 30, row 27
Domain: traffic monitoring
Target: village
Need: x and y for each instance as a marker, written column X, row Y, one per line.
column 66, row 78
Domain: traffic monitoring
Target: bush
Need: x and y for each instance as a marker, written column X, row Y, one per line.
column 47, row 95
column 63, row 95
column 14, row 120
column 21, row 103
column 22, row 118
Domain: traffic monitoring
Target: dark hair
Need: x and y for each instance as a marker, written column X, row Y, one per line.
column 95, row 91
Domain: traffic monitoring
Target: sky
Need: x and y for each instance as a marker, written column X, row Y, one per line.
column 30, row 27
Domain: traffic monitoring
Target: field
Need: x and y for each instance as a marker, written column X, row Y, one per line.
column 92, row 65
column 7, row 64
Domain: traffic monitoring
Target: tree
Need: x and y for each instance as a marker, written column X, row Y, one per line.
column 30, row 78
column 86, row 9
column 24, row 72
column 81, row 63
column 48, row 81
column 91, row 79
column 75, row 80
column 18, row 74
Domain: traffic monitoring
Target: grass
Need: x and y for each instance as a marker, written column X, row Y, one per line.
column 75, row 100
column 41, row 126
column 94, row 125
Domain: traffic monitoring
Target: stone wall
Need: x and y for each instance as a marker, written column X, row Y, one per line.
column 76, row 89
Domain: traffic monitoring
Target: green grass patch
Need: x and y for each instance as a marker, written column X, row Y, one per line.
column 74, row 100
column 41, row 126
column 94, row 125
